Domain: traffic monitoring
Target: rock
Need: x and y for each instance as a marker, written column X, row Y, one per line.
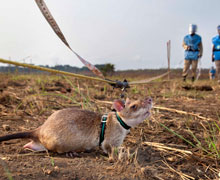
column 6, row 127
column 99, row 97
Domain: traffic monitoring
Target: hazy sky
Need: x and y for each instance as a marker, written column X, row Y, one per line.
column 131, row 34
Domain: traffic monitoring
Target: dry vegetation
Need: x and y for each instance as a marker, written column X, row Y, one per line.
column 179, row 141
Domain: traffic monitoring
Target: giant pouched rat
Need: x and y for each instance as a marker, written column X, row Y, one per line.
column 74, row 130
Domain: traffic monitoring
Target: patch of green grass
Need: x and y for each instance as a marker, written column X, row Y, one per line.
column 52, row 161
column 6, row 169
column 60, row 95
column 20, row 77
column 178, row 135
column 208, row 144
column 168, row 94
column 85, row 98
column 135, row 90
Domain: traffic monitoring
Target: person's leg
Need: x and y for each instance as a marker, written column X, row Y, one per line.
column 210, row 76
column 217, row 64
column 186, row 68
column 213, row 76
column 194, row 68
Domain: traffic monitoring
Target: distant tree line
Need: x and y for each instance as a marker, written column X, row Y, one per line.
column 106, row 69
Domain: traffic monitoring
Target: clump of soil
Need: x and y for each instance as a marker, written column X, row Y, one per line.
column 198, row 88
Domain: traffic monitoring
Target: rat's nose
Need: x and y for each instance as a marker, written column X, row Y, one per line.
column 148, row 100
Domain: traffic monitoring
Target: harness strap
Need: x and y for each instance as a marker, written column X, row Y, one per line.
column 103, row 126
column 123, row 124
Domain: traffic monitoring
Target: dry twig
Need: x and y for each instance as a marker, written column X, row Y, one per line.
column 182, row 175
column 182, row 112
column 162, row 146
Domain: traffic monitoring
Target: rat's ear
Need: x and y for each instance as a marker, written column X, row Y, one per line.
column 118, row 105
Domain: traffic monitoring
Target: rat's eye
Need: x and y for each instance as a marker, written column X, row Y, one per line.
column 133, row 107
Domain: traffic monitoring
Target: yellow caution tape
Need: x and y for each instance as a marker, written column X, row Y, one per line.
column 55, row 71
column 144, row 81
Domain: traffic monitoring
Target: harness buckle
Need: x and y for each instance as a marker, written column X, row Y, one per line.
column 104, row 118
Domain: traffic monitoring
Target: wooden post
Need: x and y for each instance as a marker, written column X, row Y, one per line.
column 168, row 57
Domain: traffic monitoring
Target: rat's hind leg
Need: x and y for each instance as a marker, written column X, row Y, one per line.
column 72, row 154
column 35, row 146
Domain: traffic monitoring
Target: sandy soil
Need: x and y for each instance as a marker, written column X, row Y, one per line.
column 27, row 100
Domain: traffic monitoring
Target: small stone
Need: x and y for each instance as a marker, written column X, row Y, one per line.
column 142, row 170
column 56, row 168
column 47, row 171
column 6, row 127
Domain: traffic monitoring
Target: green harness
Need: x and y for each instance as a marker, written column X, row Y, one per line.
column 103, row 126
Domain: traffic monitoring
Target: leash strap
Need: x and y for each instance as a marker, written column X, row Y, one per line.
column 50, row 19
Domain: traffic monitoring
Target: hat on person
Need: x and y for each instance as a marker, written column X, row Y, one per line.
column 192, row 28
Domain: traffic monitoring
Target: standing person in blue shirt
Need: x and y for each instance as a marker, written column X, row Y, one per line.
column 212, row 73
column 192, row 45
column 216, row 52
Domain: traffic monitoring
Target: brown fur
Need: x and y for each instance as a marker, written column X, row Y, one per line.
column 76, row 130
column 70, row 130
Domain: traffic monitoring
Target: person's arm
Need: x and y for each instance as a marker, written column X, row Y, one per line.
column 200, row 49
column 185, row 46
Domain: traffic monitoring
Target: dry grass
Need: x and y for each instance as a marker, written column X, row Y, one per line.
column 179, row 141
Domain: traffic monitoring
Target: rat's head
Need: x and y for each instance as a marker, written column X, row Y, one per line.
column 133, row 112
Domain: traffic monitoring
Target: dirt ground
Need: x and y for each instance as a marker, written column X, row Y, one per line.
column 180, row 142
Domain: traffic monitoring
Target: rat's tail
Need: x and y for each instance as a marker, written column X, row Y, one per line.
column 23, row 135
